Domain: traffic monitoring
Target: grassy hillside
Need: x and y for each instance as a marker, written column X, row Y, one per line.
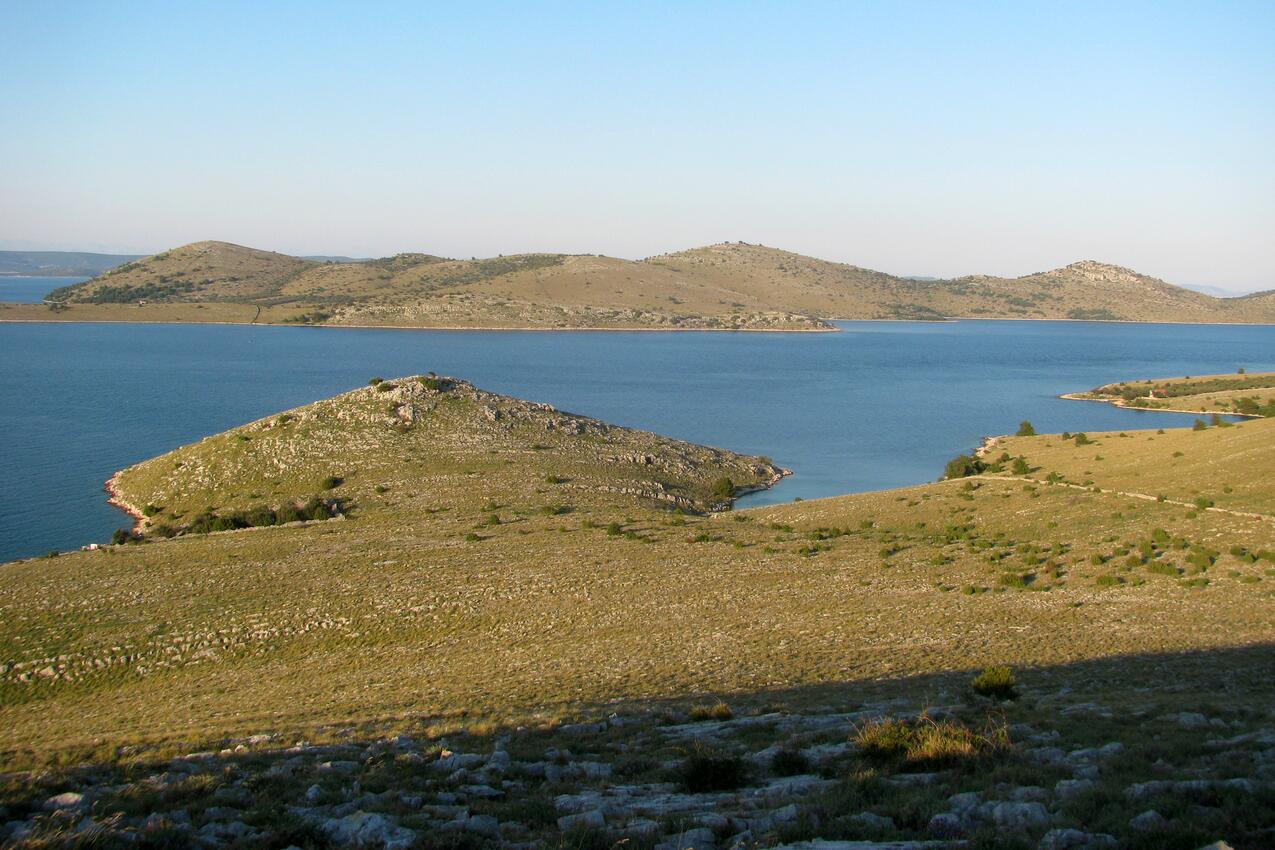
column 725, row 286
column 485, row 570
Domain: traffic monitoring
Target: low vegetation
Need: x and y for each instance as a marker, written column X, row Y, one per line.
column 525, row 611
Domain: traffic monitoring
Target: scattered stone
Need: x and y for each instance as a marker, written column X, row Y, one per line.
column 65, row 800
column 1074, row 839
column 692, row 839
column 1147, row 821
column 364, row 829
column 593, row 819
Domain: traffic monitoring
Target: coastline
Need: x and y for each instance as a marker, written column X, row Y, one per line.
column 117, row 500
column 1119, row 402
column 572, row 329
column 585, row 328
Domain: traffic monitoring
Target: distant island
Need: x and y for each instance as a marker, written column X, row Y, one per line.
column 728, row 286
column 60, row 263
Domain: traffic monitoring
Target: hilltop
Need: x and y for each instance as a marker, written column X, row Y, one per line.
column 725, row 286
column 418, row 614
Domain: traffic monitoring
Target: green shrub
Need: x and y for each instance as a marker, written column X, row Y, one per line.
column 1025, row 429
column 723, row 488
column 331, row 482
column 1082, row 439
column 120, row 536
column 1019, row 467
column 963, row 466
column 372, row 382
column 996, row 682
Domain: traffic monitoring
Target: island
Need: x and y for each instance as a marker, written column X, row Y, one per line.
column 727, row 286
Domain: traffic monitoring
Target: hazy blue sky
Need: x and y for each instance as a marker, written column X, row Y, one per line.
column 918, row 138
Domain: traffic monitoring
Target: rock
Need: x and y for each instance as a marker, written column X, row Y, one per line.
column 947, row 825
column 312, row 794
column 1014, row 816
column 1217, row 845
column 592, row 819
column 1074, row 839
column 964, row 802
column 1070, row 789
column 692, row 839
column 1028, row 793
column 65, row 800
column 821, row 844
column 224, row 833
column 872, row 821
column 342, row 767
column 1147, row 821
column 786, row 814
column 363, row 829
column 484, row 825
column 499, row 760
column 794, row 786
column 713, row 820
column 485, row 792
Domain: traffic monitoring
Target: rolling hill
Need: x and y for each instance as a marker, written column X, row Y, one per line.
column 724, row 286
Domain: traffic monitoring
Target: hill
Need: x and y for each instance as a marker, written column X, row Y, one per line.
column 725, row 286
column 494, row 621
column 60, row 263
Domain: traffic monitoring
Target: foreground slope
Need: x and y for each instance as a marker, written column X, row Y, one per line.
column 493, row 568
column 728, row 286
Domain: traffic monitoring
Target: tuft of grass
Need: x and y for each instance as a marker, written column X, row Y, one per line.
column 717, row 711
column 926, row 743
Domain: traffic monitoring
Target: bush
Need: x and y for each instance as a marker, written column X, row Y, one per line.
column 717, row 711
column 723, row 488
column 1025, row 429
column 789, row 762
column 706, row 769
column 1082, row 439
column 331, row 482
column 120, row 536
column 926, row 743
column 963, row 466
column 995, row 682
column 1019, row 467
column 1199, row 425
column 372, row 382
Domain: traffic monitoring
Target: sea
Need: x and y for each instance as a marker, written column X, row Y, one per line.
column 878, row 405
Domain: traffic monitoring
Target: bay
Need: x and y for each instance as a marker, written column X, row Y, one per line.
column 879, row 405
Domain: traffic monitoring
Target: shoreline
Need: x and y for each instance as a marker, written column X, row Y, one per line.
column 117, row 500
column 584, row 328
column 572, row 329
column 1123, row 405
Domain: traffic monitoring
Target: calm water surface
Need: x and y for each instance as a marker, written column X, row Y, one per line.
column 883, row 404
column 31, row 290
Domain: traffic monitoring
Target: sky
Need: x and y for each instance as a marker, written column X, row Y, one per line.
column 913, row 137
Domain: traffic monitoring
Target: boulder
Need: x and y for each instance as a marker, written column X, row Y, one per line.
column 365, row 829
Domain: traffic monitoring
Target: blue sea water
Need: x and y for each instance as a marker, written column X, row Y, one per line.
column 31, row 290
column 882, row 404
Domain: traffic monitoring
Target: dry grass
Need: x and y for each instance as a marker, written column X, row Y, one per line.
column 392, row 616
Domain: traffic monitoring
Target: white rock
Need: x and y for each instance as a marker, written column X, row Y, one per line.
column 592, row 819
column 364, row 829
